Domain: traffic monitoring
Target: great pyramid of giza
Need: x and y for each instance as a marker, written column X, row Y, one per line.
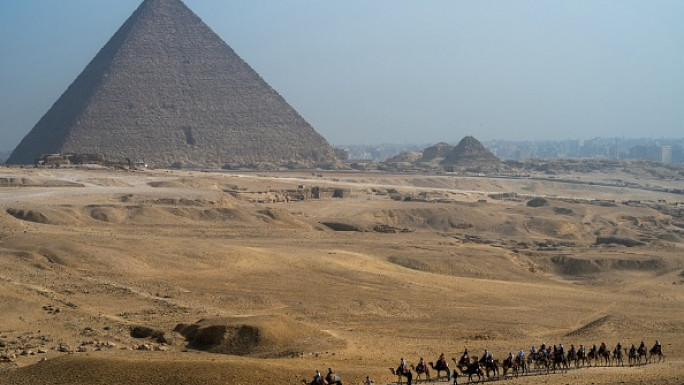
column 166, row 89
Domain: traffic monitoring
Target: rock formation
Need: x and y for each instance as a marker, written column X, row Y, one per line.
column 167, row 90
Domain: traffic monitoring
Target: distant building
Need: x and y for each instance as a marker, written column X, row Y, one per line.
column 660, row 154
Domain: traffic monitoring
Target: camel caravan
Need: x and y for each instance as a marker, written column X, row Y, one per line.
column 545, row 360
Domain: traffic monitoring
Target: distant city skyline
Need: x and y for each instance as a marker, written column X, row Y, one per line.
column 398, row 71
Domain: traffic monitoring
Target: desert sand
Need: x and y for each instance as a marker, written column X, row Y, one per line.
column 188, row 277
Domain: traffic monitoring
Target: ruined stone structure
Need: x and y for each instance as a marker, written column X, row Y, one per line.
column 469, row 152
column 439, row 150
column 167, row 90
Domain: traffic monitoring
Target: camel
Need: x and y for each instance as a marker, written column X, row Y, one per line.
column 509, row 364
column 632, row 356
column 603, row 355
column 401, row 374
column 559, row 360
column 522, row 365
column 441, row 368
column 573, row 356
column 543, row 362
column 617, row 357
column 533, row 358
column 421, row 370
column 641, row 352
column 473, row 369
column 462, row 363
column 655, row 351
column 491, row 366
column 581, row 358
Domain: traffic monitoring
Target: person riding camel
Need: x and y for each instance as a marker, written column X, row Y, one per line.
column 368, row 381
column 331, row 377
column 521, row 355
column 465, row 359
column 561, row 349
column 657, row 348
column 422, row 367
column 485, row 356
column 642, row 347
column 402, row 366
column 603, row 346
column 442, row 362
column 318, row 379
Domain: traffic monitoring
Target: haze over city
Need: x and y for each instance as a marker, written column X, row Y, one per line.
column 399, row 71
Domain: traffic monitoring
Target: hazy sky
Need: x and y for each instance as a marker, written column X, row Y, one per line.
column 396, row 71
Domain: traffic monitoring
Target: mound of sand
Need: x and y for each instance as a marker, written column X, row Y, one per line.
column 257, row 336
column 64, row 216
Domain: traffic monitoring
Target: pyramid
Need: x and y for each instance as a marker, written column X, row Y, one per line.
column 166, row 90
column 469, row 152
column 437, row 151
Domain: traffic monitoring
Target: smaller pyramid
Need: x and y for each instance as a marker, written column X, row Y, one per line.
column 470, row 153
column 438, row 151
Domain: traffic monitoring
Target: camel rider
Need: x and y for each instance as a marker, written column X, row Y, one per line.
column 402, row 366
column 619, row 347
column 331, row 377
column 464, row 358
column 582, row 349
column 442, row 362
column 421, row 366
column 543, row 346
column 603, row 346
column 561, row 349
column 642, row 346
column 485, row 356
column 533, row 351
column 318, row 379
column 368, row 381
column 521, row 355
column 657, row 348
column 633, row 350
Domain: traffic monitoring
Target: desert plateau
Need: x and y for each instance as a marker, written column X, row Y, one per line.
column 262, row 277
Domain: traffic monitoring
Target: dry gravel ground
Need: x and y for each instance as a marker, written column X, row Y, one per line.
column 227, row 279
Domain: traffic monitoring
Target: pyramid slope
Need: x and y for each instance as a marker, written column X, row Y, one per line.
column 167, row 89
column 470, row 152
